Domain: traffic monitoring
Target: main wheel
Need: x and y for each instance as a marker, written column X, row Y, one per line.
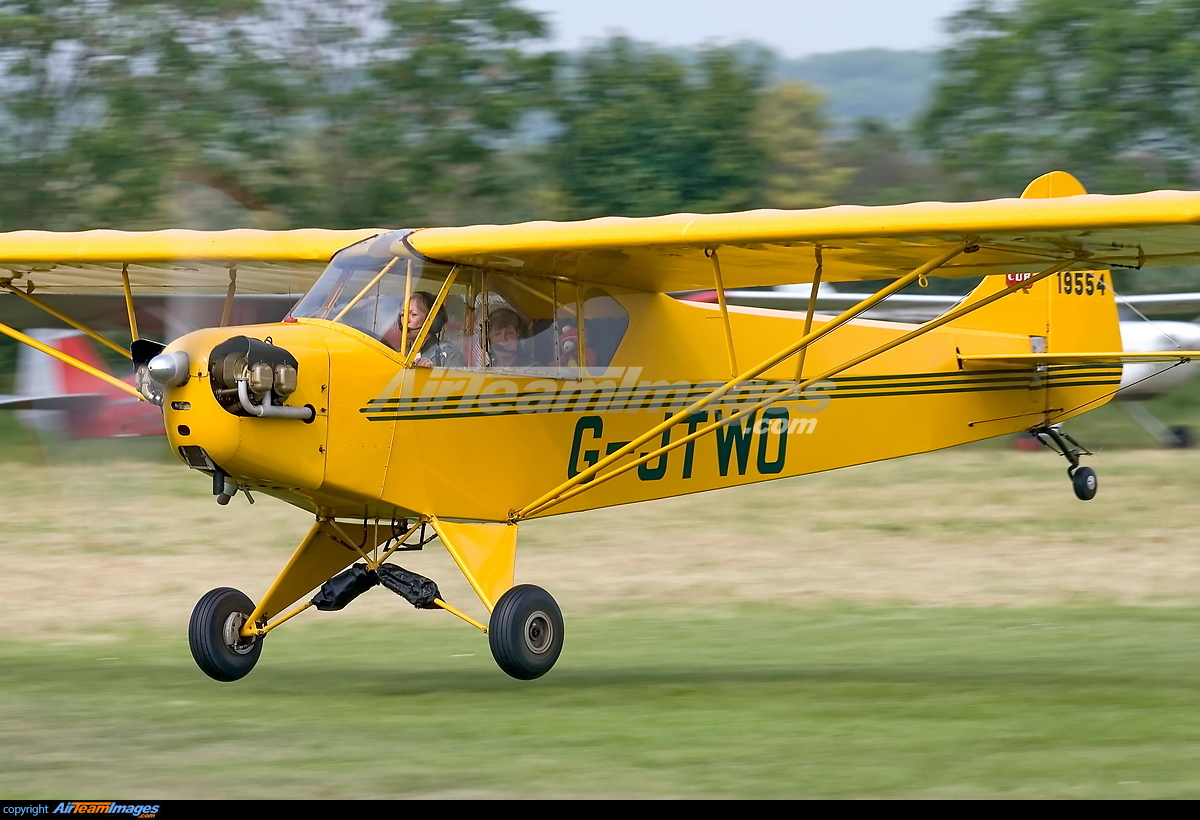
column 526, row 632
column 214, row 634
column 1084, row 482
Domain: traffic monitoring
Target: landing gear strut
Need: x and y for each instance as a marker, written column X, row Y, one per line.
column 1083, row 479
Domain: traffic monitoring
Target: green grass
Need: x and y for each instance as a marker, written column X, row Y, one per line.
column 830, row 701
column 670, row 685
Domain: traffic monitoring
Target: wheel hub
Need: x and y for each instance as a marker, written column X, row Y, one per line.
column 539, row 633
column 232, row 633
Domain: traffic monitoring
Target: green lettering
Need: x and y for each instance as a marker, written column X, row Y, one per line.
column 736, row 434
column 769, row 416
column 689, row 450
column 655, row 473
column 590, row 457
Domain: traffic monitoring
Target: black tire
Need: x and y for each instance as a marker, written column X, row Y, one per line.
column 1085, row 483
column 213, row 635
column 526, row 632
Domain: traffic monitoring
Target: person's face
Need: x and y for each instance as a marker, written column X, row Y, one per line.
column 416, row 314
column 504, row 338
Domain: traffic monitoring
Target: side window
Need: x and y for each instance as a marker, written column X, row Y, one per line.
column 439, row 323
column 557, row 341
column 530, row 323
column 507, row 312
column 604, row 323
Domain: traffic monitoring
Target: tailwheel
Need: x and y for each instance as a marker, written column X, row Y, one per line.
column 214, row 634
column 526, row 632
column 1084, row 482
column 1083, row 479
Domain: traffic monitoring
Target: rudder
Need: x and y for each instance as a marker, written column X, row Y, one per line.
column 1068, row 312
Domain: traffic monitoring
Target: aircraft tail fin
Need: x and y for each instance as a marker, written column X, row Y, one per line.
column 1072, row 312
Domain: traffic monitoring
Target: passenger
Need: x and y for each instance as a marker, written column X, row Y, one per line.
column 434, row 351
column 507, row 335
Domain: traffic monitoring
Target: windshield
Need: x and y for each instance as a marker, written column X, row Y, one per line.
column 466, row 317
column 364, row 287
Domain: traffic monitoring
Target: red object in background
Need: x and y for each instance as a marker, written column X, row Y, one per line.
column 1026, row 443
column 55, row 397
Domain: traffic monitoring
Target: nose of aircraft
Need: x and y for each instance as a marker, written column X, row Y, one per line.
column 169, row 369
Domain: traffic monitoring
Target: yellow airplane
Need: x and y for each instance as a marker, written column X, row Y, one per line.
column 452, row 383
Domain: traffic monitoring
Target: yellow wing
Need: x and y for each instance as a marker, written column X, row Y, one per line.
column 170, row 262
column 759, row 248
column 657, row 254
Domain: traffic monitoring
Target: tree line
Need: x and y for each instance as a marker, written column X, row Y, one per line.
column 348, row 113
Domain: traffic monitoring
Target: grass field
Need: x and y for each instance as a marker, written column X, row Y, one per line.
column 835, row 700
column 951, row 625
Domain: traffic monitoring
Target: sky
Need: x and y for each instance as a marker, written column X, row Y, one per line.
column 792, row 28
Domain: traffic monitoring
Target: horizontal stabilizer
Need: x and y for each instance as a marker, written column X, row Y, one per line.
column 1028, row 361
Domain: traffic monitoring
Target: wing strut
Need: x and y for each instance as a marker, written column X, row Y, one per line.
column 129, row 303
column 71, row 360
column 62, row 317
column 574, row 487
column 716, row 263
column 583, row 480
column 812, row 308
column 230, row 292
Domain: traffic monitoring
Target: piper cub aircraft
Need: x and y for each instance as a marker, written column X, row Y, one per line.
column 454, row 383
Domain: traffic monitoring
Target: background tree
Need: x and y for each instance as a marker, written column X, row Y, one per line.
column 886, row 168
column 1106, row 88
column 97, row 102
column 646, row 132
column 789, row 127
column 339, row 113
column 410, row 126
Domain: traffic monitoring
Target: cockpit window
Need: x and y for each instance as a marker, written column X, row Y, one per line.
column 365, row 287
column 536, row 323
column 464, row 317
column 360, row 287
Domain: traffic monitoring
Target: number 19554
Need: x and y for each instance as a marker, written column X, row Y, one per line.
column 1081, row 283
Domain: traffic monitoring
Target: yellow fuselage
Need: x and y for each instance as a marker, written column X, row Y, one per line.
column 476, row 444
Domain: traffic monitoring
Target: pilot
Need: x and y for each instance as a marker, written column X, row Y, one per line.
column 435, row 351
column 507, row 335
